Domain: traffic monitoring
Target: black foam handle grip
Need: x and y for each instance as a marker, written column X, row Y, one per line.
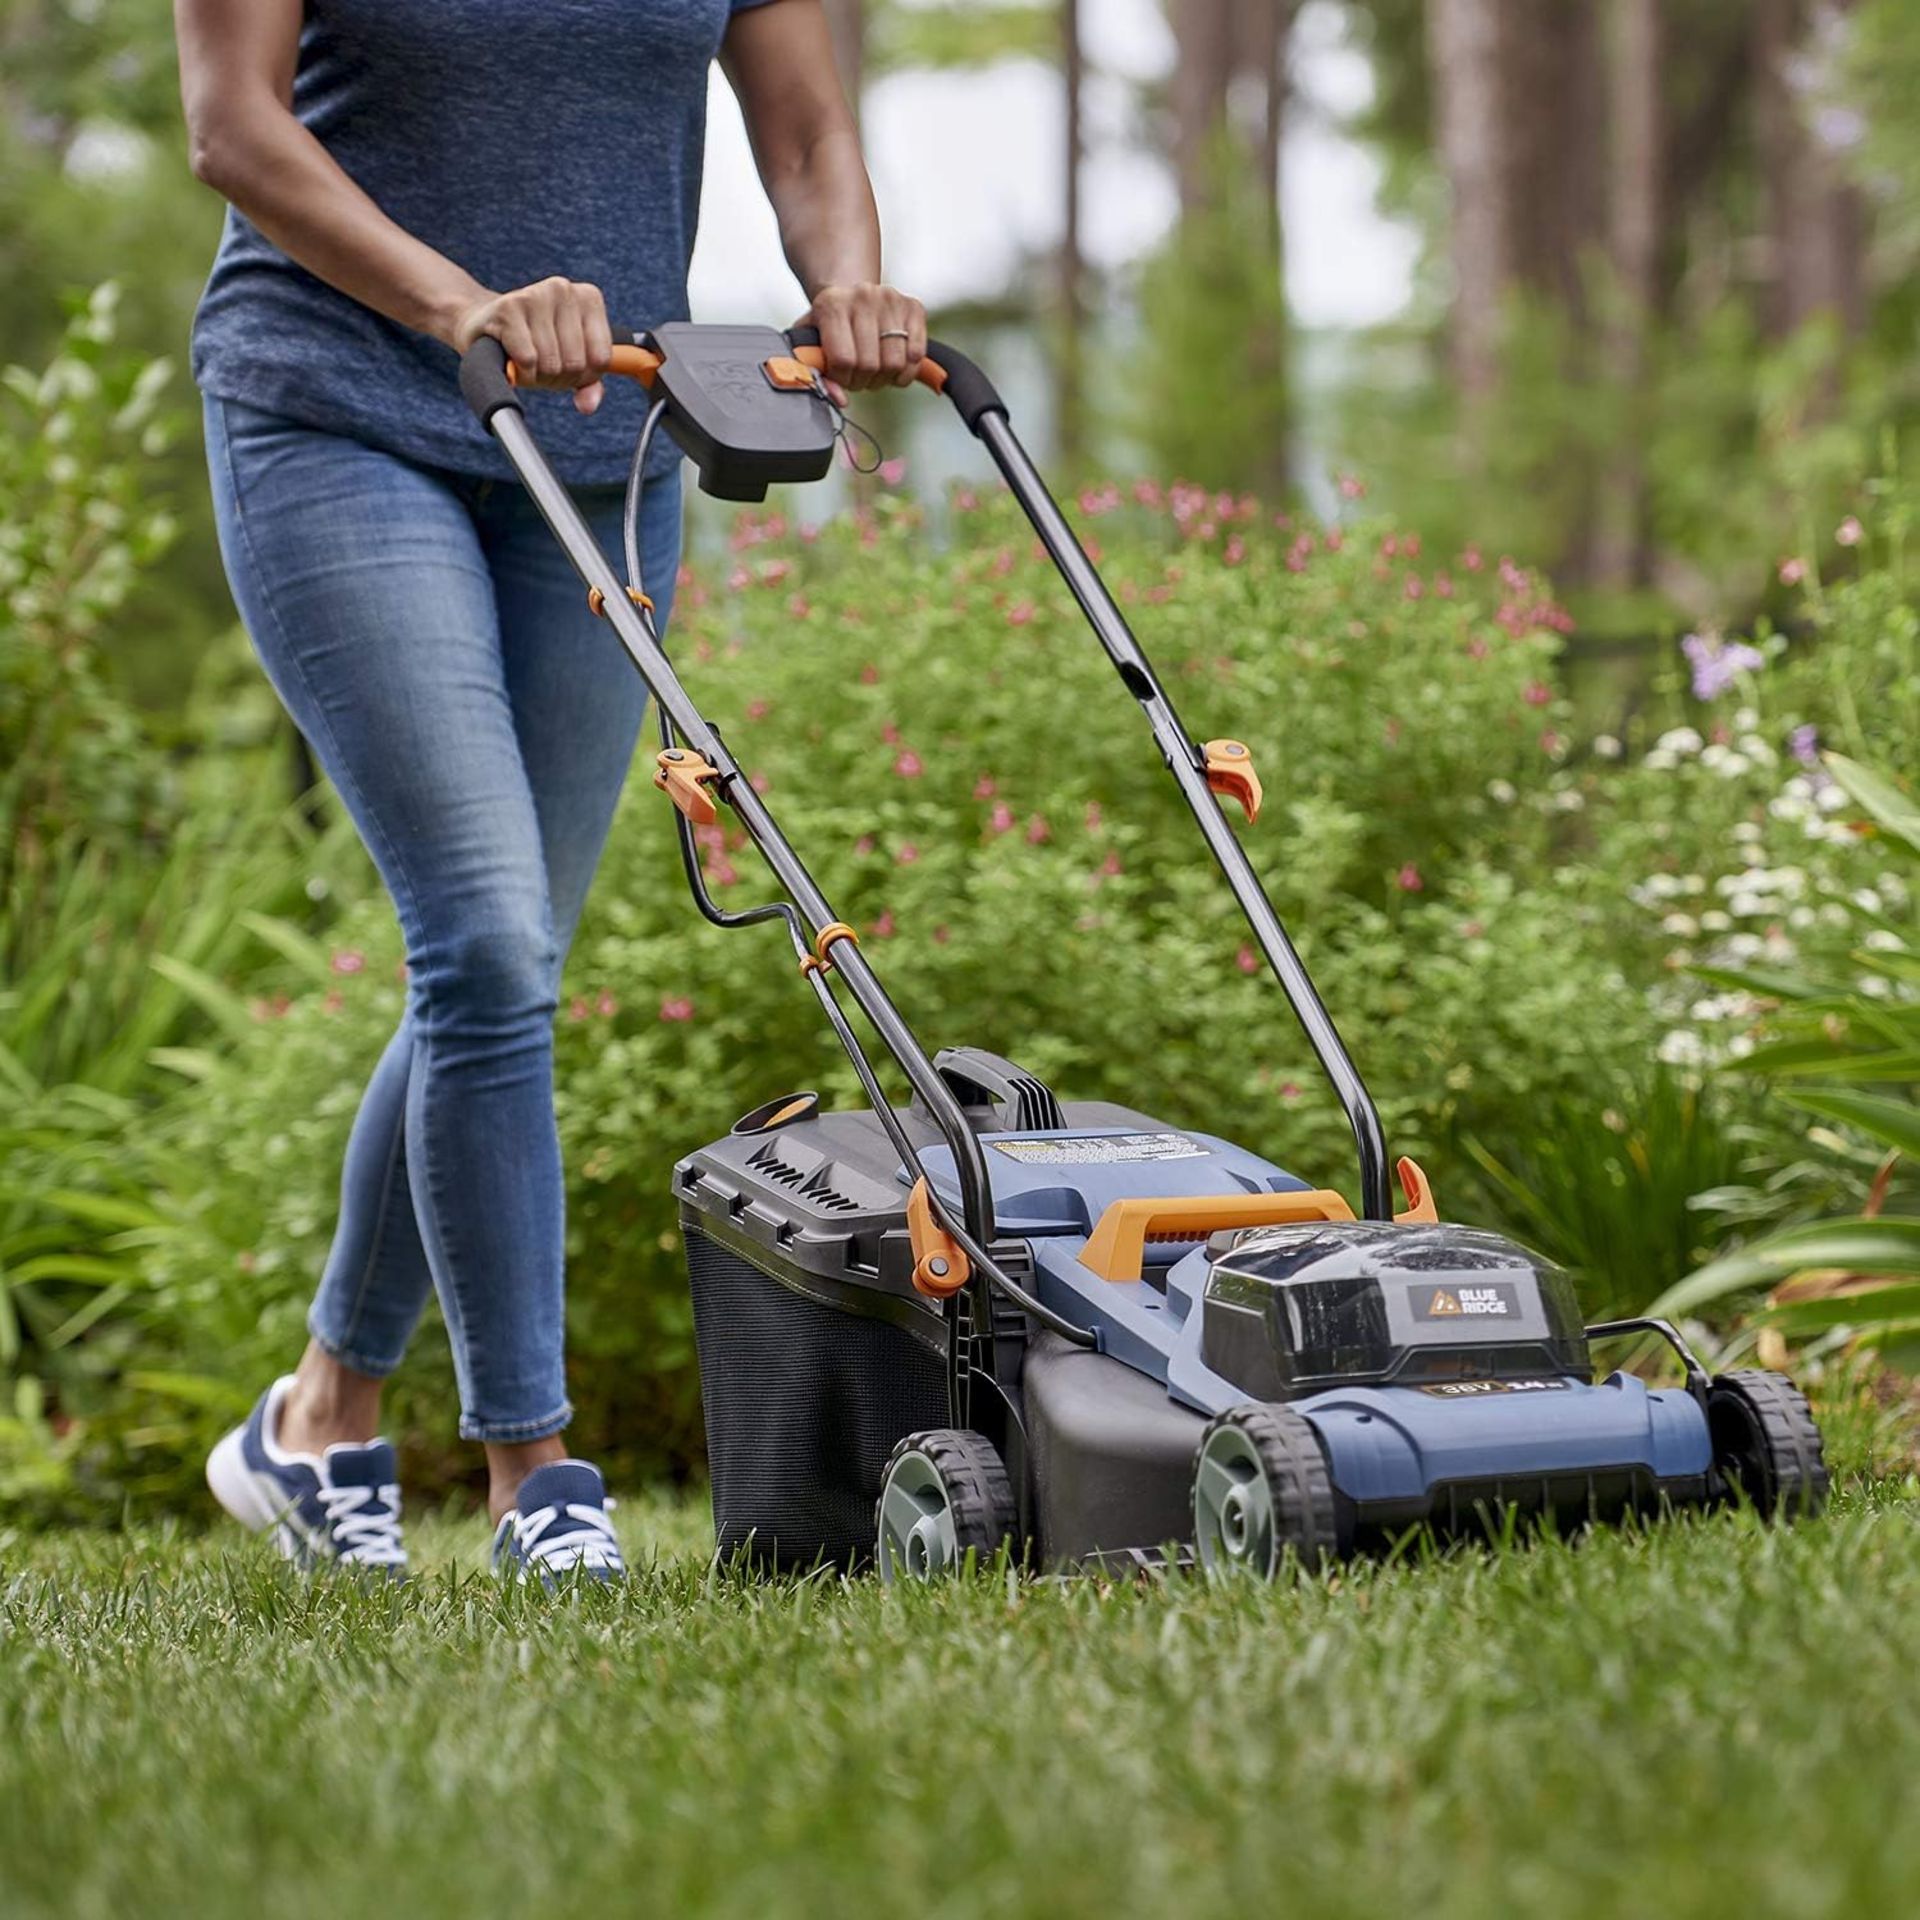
column 971, row 392
column 483, row 379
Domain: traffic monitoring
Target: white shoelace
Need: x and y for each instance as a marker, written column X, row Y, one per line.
column 591, row 1545
column 361, row 1538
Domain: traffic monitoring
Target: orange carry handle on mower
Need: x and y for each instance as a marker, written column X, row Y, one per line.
column 991, row 1319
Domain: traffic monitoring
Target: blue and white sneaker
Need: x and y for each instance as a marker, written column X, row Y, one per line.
column 560, row 1529
column 341, row 1508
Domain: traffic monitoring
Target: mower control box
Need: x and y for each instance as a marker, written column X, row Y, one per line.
column 1292, row 1310
column 742, row 429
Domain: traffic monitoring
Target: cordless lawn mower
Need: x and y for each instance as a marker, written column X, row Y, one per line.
column 994, row 1319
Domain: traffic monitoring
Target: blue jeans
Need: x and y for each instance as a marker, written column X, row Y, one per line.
column 429, row 638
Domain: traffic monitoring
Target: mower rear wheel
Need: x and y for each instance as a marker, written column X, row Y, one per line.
column 1766, row 1446
column 944, row 1495
column 1261, row 1492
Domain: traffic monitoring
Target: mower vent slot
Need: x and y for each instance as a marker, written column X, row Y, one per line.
column 815, row 1187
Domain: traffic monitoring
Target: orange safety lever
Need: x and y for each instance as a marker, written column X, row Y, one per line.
column 928, row 375
column 1230, row 774
column 636, row 363
column 684, row 777
column 1117, row 1248
column 940, row 1269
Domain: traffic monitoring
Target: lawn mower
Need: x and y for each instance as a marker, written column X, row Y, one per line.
column 994, row 1319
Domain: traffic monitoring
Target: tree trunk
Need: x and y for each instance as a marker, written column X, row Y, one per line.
column 1816, row 239
column 1071, row 427
column 1519, row 120
column 1636, row 168
column 1206, row 45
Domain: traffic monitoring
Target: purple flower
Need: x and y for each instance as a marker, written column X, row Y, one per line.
column 1804, row 744
column 1717, row 664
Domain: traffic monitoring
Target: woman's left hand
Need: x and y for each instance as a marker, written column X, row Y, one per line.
column 873, row 336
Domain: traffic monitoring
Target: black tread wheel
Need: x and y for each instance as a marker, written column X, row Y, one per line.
column 1261, row 1491
column 945, row 1494
column 1766, row 1446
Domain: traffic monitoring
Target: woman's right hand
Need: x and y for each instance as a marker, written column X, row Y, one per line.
column 555, row 332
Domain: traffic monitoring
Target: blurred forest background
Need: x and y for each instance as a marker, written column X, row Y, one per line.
column 1657, row 349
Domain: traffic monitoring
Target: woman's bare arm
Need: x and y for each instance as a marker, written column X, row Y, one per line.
column 236, row 84
column 779, row 61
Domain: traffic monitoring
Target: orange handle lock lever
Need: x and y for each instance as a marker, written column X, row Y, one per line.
column 1229, row 766
column 684, row 777
column 635, row 363
column 928, row 375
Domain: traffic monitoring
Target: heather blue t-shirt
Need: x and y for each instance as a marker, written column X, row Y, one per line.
column 520, row 141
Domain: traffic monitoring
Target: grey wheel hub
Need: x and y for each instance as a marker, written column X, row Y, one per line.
column 917, row 1538
column 1233, row 1506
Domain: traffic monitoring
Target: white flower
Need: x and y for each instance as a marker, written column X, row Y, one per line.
column 1502, row 791
column 1831, row 798
column 1801, row 917
column 1867, row 900
column 1714, row 922
column 1875, row 986
column 1569, row 800
column 1833, row 914
column 1739, row 1046
column 1659, row 760
column 1745, row 719
column 1883, row 940
column 1607, row 747
column 1682, row 926
column 1682, row 1048
column 1678, row 740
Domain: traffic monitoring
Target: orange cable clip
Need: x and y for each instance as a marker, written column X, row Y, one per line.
column 1229, row 765
column 597, row 601
column 684, row 777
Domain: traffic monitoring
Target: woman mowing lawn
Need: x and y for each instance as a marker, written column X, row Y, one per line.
column 405, row 176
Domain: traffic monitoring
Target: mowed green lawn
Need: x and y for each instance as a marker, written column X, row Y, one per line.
column 1707, row 1718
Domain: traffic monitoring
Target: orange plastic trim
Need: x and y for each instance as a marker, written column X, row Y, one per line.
column 786, row 372
column 824, row 939
column 635, row 363
column 940, row 1269
column 684, row 777
column 1117, row 1249
column 929, row 376
column 1230, row 774
column 597, row 601
column 1420, row 1211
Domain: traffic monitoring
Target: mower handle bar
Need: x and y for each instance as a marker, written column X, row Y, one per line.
column 488, row 378
column 488, row 387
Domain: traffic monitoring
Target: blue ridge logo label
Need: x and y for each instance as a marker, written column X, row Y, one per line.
column 1489, row 1300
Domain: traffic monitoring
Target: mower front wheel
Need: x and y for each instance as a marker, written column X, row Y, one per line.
column 944, row 1496
column 1261, row 1492
column 1766, row 1447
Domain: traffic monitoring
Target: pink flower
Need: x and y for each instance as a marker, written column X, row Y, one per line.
column 1352, row 487
column 758, row 782
column 1289, row 1090
column 890, row 733
column 1038, row 832
column 1849, row 532
column 1413, row 588
column 1792, row 572
column 1471, row 929
column 1551, row 743
column 869, row 674
column 1477, row 648
column 798, row 606
column 1408, row 879
column 909, row 766
column 1020, row 613
column 893, row 471
column 678, row 1007
column 758, row 709
column 1094, row 816
column 965, row 500
column 1148, row 494
column 1443, row 584
column 1472, row 560
column 684, row 577
column 1108, row 867
column 941, row 935
column 864, row 845
column 1247, row 960
column 348, row 960
column 739, row 578
column 1538, row 694
column 882, row 929
column 332, row 1000
column 1335, row 539
column 774, row 572
column 907, row 855
column 607, row 1005
column 577, row 1008
column 721, row 872
column 1235, row 551
column 984, row 788
column 1001, row 819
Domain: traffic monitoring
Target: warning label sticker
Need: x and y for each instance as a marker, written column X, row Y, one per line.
column 1492, row 1300
column 1088, row 1149
column 1479, row 1389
